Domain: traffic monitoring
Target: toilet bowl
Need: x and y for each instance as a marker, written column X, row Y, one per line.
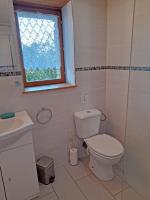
column 105, row 151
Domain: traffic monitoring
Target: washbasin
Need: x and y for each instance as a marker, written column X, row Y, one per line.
column 13, row 128
column 8, row 125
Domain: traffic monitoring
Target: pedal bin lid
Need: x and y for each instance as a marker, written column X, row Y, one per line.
column 45, row 162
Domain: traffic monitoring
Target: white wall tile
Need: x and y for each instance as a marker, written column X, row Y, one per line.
column 137, row 134
column 141, row 42
column 5, row 50
column 116, row 102
column 90, row 27
column 4, row 10
column 119, row 31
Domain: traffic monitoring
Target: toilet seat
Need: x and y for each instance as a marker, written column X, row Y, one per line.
column 98, row 155
column 104, row 145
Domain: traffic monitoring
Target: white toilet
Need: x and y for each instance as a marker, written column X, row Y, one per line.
column 105, row 151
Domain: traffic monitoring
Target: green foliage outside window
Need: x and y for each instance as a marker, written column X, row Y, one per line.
column 42, row 74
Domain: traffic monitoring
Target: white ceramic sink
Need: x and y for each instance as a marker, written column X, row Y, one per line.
column 13, row 128
column 8, row 125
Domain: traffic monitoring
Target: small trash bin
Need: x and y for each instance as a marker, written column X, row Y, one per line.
column 45, row 170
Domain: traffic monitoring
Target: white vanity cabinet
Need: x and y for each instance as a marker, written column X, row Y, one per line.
column 18, row 171
column 2, row 191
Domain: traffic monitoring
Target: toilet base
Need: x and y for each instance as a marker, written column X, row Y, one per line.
column 102, row 171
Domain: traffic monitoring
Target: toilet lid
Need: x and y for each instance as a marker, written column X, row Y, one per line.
column 105, row 145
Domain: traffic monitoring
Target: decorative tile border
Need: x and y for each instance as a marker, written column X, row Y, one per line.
column 15, row 73
column 92, row 68
column 10, row 70
column 131, row 68
column 143, row 68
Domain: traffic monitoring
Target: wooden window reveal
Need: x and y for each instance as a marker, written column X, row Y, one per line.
column 40, row 36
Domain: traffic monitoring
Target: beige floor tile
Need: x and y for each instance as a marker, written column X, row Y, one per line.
column 93, row 189
column 128, row 194
column 115, row 186
column 85, row 161
column 45, row 189
column 118, row 171
column 65, row 187
column 78, row 171
column 51, row 196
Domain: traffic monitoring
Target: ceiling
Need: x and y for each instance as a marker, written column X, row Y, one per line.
column 52, row 3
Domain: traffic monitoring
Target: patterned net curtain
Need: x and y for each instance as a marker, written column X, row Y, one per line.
column 40, row 44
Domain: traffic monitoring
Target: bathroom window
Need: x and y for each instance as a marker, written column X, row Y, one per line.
column 41, row 45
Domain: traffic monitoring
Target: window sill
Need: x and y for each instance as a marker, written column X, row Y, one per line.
column 48, row 87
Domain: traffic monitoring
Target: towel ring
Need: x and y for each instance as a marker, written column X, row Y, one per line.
column 49, row 117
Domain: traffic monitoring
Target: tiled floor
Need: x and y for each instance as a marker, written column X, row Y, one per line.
column 78, row 183
column 128, row 194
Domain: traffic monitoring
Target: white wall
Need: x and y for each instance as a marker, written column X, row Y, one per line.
column 141, row 40
column 119, row 35
column 130, row 124
column 138, row 129
column 119, row 31
column 137, row 162
column 5, row 35
column 52, row 139
column 90, row 27
column 5, row 50
column 4, row 12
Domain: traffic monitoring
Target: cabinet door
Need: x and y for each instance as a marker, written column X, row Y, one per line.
column 2, row 192
column 19, row 173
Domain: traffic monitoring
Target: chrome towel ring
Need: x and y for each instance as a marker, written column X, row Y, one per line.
column 44, row 116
